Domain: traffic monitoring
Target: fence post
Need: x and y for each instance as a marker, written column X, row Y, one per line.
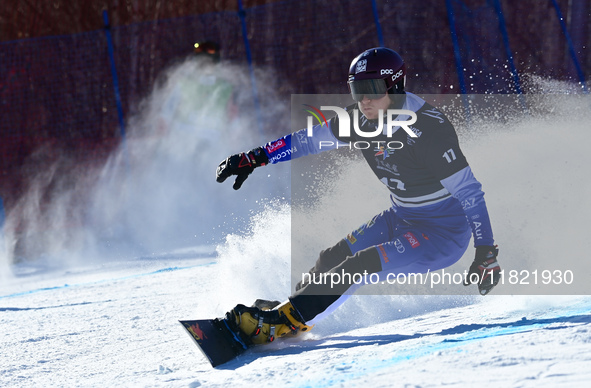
column 457, row 56
column 503, row 28
column 5, row 261
column 255, row 94
column 114, row 74
column 571, row 48
column 376, row 18
column 2, row 219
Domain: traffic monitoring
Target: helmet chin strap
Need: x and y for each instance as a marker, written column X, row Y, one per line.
column 398, row 87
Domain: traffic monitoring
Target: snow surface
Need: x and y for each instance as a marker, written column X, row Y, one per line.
column 117, row 326
column 112, row 319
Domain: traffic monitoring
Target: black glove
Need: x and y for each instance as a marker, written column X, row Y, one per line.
column 485, row 269
column 241, row 165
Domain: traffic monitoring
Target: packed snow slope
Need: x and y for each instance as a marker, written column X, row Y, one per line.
column 116, row 325
column 110, row 318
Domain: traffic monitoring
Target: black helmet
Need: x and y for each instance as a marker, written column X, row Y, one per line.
column 375, row 72
column 207, row 49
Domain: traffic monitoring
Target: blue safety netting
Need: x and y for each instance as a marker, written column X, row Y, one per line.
column 57, row 93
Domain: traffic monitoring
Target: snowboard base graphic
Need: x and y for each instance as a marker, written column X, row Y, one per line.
column 215, row 339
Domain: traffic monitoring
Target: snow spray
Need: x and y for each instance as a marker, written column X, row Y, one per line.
column 157, row 193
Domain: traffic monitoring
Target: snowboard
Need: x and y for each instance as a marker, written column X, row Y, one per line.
column 215, row 339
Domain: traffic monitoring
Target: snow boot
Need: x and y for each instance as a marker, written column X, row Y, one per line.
column 264, row 304
column 258, row 326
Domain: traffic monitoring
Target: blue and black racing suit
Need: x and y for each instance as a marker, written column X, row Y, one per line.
column 437, row 203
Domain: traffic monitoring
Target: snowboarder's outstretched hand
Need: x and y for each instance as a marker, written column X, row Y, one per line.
column 484, row 270
column 241, row 165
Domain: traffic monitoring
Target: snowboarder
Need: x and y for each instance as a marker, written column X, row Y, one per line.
column 437, row 203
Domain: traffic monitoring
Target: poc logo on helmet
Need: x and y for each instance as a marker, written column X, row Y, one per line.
column 397, row 75
column 386, row 71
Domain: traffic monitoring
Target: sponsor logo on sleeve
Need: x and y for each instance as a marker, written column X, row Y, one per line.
column 412, row 239
column 468, row 203
column 283, row 155
column 276, row 146
column 383, row 252
column 399, row 247
column 302, row 138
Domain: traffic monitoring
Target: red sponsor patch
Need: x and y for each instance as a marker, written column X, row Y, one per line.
column 196, row 330
column 383, row 252
column 412, row 239
column 275, row 145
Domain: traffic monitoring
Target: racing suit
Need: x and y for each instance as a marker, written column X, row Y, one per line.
column 437, row 203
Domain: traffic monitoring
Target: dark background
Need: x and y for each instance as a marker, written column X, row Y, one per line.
column 57, row 92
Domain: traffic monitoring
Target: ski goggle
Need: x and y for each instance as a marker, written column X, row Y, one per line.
column 371, row 88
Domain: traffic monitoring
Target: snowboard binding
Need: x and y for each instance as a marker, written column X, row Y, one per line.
column 265, row 321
